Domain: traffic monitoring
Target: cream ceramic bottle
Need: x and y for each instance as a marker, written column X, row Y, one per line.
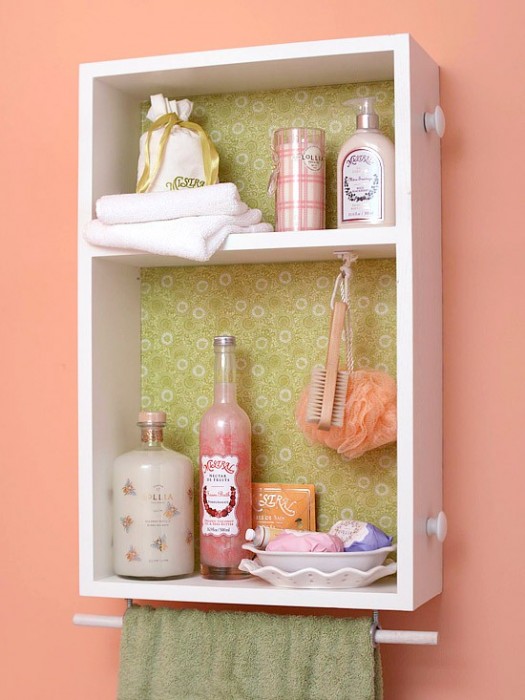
column 365, row 172
column 152, row 507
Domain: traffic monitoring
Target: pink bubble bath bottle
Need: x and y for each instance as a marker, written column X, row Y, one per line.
column 225, row 472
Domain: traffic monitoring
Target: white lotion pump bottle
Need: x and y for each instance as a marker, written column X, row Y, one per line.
column 366, row 172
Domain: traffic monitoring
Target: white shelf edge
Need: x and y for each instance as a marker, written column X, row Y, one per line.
column 195, row 589
column 273, row 247
column 261, row 53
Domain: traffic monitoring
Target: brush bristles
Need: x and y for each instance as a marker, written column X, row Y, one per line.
column 315, row 397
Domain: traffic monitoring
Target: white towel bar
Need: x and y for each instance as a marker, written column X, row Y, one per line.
column 379, row 637
column 97, row 620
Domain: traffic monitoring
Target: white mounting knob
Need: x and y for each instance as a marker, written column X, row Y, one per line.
column 437, row 526
column 435, row 121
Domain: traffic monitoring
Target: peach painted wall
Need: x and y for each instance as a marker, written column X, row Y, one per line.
column 479, row 47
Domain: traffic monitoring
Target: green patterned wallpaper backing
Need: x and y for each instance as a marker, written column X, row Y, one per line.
column 280, row 314
column 241, row 125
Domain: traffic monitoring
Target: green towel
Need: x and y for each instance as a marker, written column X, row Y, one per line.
column 193, row 655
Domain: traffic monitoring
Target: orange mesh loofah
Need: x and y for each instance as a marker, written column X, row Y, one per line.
column 370, row 415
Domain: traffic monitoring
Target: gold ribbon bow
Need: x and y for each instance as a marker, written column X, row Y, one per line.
column 168, row 121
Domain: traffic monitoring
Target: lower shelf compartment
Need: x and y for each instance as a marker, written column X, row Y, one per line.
column 380, row 595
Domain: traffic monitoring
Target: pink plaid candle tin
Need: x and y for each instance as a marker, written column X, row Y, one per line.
column 299, row 179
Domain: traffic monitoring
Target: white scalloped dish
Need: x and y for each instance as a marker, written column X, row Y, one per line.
column 312, row 578
column 323, row 562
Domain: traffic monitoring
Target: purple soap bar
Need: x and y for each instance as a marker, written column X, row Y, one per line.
column 302, row 541
column 360, row 537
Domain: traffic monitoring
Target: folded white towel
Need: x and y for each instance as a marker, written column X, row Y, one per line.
column 193, row 237
column 222, row 198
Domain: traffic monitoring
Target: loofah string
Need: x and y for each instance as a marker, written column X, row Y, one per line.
column 342, row 283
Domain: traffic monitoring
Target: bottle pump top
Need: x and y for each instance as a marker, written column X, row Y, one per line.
column 366, row 115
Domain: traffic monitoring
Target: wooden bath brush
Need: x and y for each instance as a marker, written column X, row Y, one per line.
column 327, row 396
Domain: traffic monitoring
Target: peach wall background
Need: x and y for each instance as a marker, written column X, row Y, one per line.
column 478, row 45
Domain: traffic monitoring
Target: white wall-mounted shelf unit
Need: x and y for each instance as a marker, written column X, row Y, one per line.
column 109, row 296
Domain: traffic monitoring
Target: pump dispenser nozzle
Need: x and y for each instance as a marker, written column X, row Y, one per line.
column 366, row 115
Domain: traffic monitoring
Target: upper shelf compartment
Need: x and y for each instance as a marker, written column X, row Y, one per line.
column 113, row 93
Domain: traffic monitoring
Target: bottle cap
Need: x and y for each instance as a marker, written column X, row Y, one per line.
column 150, row 417
column 250, row 535
column 366, row 115
column 223, row 340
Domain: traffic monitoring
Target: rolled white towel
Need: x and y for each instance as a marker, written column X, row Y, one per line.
column 222, row 198
column 193, row 237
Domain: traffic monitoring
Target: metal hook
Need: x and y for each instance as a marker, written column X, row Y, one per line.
column 373, row 629
column 345, row 273
column 348, row 257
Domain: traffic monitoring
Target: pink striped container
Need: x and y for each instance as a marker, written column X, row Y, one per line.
column 299, row 156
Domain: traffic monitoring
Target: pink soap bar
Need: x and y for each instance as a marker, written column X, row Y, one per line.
column 297, row 541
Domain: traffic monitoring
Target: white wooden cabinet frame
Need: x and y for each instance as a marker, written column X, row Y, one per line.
column 109, row 297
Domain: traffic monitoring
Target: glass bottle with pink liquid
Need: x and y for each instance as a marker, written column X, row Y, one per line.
column 225, row 472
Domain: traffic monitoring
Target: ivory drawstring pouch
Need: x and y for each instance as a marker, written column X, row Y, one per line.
column 175, row 153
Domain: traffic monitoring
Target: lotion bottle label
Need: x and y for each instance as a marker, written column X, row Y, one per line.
column 362, row 190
